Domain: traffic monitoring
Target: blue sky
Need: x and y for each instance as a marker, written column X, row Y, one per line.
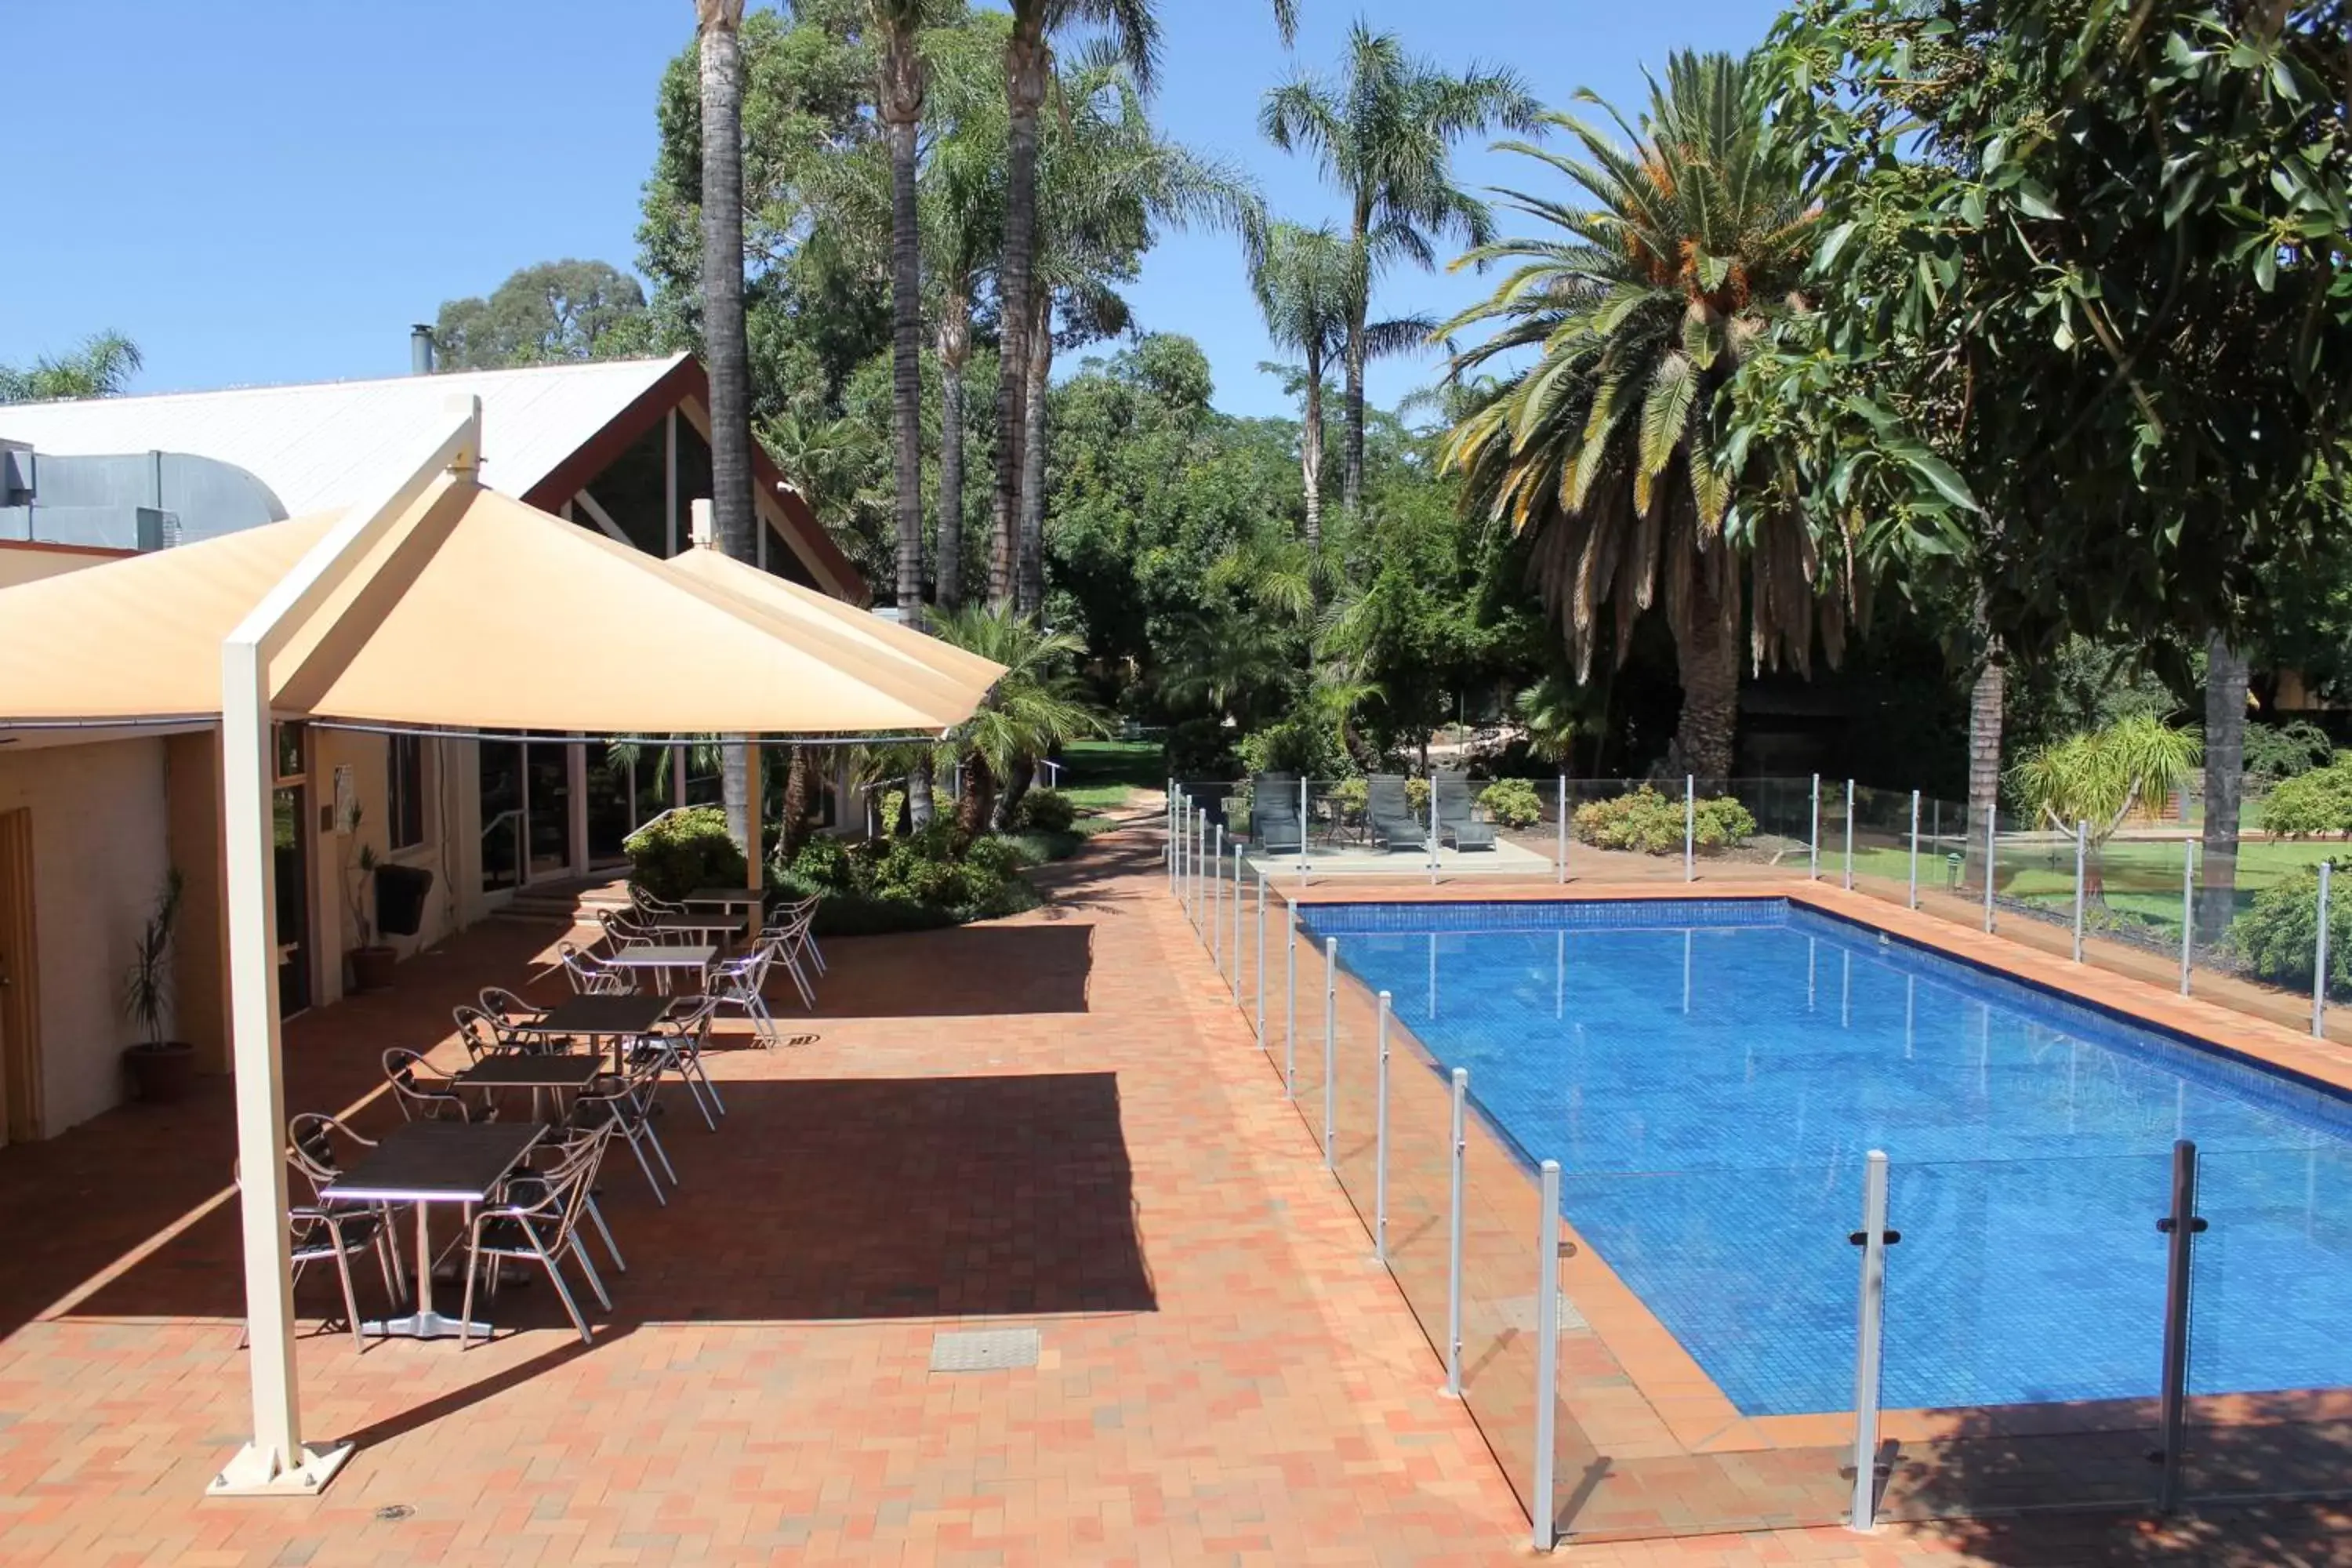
column 266, row 191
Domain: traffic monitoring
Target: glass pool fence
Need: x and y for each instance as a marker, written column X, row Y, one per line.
column 1862, row 1400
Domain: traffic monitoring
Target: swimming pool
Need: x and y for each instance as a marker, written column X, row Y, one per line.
column 1710, row 1074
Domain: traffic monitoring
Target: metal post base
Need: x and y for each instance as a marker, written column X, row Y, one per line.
column 255, row 1472
column 425, row 1326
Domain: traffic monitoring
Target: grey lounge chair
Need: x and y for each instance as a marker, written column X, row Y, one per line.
column 1393, row 821
column 1456, row 826
column 1275, row 826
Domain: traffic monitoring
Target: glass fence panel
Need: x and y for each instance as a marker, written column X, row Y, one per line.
column 2132, row 905
column 2270, row 1370
column 1881, row 843
column 1786, row 823
column 2024, row 1320
column 2255, row 929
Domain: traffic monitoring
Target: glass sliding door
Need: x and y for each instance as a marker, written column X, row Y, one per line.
column 547, row 806
column 502, row 815
column 612, row 800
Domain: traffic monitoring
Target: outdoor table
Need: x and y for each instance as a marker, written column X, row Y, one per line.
column 712, row 929
column 617, row 1019
column 428, row 1163
column 663, row 957
column 727, row 897
column 542, row 1073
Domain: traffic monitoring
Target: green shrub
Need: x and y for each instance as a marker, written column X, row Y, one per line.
column 1036, row 848
column 825, row 863
column 1513, row 803
column 1201, row 749
column 887, row 810
column 1048, row 810
column 2285, row 751
column 997, row 856
column 684, row 850
column 2278, row 937
column 1351, row 795
column 1416, row 796
column 2320, row 801
column 1296, row 745
column 1652, row 823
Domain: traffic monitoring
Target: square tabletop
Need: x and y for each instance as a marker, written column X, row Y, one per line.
column 452, row 1162
column 596, row 1014
column 727, row 897
column 665, row 955
column 728, row 921
column 550, row 1069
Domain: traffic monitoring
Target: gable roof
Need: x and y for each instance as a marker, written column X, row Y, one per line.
column 547, row 431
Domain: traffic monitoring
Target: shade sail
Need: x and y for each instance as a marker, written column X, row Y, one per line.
column 795, row 606
column 514, row 619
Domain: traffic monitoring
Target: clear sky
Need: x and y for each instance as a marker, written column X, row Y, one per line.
column 269, row 191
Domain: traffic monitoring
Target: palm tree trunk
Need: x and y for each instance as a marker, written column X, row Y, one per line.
column 1351, row 478
column 720, row 82
column 955, row 347
column 1986, row 706
column 800, row 786
column 1031, row 598
column 1310, row 452
column 1025, row 92
column 2225, row 756
column 973, row 807
column 902, row 108
column 1706, row 650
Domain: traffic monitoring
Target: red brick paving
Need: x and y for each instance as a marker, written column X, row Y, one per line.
column 1057, row 1122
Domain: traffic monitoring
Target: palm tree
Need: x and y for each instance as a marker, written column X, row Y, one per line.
column 1606, row 447
column 1307, row 282
column 1034, row 707
column 726, row 349
column 101, row 367
column 1384, row 132
column 962, row 211
column 1132, row 30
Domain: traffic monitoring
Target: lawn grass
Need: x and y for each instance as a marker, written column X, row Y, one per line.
column 1098, row 775
column 2141, row 876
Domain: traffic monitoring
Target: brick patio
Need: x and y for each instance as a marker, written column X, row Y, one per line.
column 1058, row 1121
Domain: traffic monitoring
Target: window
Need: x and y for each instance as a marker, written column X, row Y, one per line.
column 405, row 791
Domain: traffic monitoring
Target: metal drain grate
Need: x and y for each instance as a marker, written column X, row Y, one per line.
column 983, row 1350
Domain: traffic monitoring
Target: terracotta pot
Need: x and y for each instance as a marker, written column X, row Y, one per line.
column 161, row 1070
column 371, row 967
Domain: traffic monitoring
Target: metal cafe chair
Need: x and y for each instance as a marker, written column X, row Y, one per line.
column 625, row 1102
column 423, row 1095
column 678, row 1043
column 738, row 984
column 590, row 976
column 540, row 1220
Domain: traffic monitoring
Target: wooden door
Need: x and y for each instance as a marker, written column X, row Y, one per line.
column 20, row 991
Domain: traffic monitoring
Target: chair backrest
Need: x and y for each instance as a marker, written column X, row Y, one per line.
column 419, row 1091
column 311, row 1146
column 588, row 977
column 1385, row 797
column 652, row 905
column 501, row 1003
column 1453, row 797
column 477, row 1032
column 620, row 926
column 1274, row 797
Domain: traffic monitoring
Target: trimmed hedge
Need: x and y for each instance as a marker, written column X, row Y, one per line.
column 1652, row 823
column 684, row 850
column 1513, row 803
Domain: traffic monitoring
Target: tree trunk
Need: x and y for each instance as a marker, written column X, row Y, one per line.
column 720, row 82
column 1352, row 480
column 955, row 348
column 902, row 110
column 800, row 785
column 1310, row 452
column 1986, row 699
column 1008, row 799
column 2225, row 755
column 1031, row 598
column 1025, row 92
column 1707, row 652
column 979, row 795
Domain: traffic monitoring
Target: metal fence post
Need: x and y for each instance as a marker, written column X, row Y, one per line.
column 1849, row 835
column 1915, row 849
column 1433, row 827
column 1302, row 820
column 1560, row 869
column 1237, row 925
column 2320, row 959
column 1547, row 1354
column 1813, row 837
column 1291, row 1011
column 1261, row 954
column 1380, row 1137
column 1331, row 1049
column 1216, row 868
column 1690, row 829
column 1872, row 1238
column 1459, row 1145
column 2188, row 909
column 1168, row 817
column 1992, row 856
column 2082, row 849
column 2180, row 1229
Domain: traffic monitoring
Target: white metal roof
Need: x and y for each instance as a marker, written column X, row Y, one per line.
column 316, row 443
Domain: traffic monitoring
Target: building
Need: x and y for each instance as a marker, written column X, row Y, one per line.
column 92, row 823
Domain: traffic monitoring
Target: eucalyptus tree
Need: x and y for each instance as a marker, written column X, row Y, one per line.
column 1609, row 446
column 1384, row 130
column 101, row 366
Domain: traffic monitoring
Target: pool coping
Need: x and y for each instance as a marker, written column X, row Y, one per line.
column 1694, row 1413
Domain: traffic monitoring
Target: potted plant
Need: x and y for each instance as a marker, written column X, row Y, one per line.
column 161, row 1069
column 370, row 961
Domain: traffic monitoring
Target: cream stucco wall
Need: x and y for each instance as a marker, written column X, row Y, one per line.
column 99, row 858
column 333, row 852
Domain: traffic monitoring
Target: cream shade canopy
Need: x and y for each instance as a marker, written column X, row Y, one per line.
column 512, row 619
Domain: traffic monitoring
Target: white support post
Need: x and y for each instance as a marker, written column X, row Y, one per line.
column 2319, row 963
column 1380, row 1135
column 1261, row 954
column 1433, row 827
column 1459, row 1144
column 1305, row 803
column 1290, row 1010
column 1217, row 900
column 1331, row 1049
column 2188, row 909
column 1872, row 1238
column 2081, row 851
column 1913, row 902
column 1559, row 858
column 1992, row 860
column 1547, row 1354
column 1237, row 948
column 1849, row 835
column 1170, row 814
column 275, row 1461
column 1690, row 829
column 1814, row 838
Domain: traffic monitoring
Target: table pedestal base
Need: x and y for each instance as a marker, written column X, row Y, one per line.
column 428, row 1325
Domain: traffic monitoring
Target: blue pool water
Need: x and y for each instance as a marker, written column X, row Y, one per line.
column 1710, row 1075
